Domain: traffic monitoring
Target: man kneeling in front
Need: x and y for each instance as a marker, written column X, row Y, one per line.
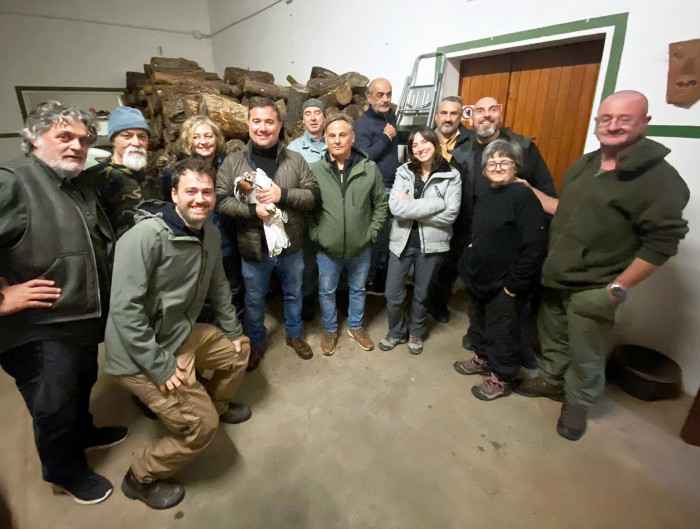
column 165, row 266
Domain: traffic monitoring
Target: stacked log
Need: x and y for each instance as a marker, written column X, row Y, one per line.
column 170, row 90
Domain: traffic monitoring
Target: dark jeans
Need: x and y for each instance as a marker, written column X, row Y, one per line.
column 494, row 332
column 399, row 267
column 444, row 279
column 55, row 379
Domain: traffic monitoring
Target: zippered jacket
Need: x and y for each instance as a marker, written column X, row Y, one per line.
column 162, row 274
column 435, row 210
column 353, row 211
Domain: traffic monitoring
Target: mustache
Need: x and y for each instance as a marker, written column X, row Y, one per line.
column 135, row 150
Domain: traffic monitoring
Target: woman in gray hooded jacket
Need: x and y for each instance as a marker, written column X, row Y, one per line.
column 424, row 201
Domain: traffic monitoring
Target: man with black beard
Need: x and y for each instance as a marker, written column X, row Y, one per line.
column 122, row 180
column 487, row 119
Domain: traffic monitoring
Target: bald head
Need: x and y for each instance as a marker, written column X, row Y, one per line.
column 486, row 119
column 621, row 120
column 379, row 95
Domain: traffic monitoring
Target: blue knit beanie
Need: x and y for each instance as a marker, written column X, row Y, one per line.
column 313, row 103
column 123, row 118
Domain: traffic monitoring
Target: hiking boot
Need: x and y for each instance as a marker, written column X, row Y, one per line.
column 105, row 437
column 362, row 338
column 473, row 366
column 539, row 387
column 491, row 388
column 572, row 421
column 328, row 342
column 159, row 494
column 236, row 413
column 301, row 347
column 415, row 345
column 389, row 342
column 88, row 488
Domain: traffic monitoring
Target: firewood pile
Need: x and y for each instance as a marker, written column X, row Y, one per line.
column 170, row 90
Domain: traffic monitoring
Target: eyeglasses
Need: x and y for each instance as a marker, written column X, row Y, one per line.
column 504, row 165
column 621, row 120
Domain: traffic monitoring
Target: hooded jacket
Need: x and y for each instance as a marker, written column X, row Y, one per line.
column 299, row 194
column 163, row 273
column 380, row 148
column 352, row 212
column 606, row 219
column 435, row 210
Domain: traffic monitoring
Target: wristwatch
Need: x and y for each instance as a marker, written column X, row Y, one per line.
column 618, row 291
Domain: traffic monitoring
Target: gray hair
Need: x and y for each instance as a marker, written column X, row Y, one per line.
column 451, row 99
column 505, row 148
column 47, row 114
column 341, row 117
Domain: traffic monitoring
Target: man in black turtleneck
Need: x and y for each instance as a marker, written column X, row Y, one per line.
column 294, row 190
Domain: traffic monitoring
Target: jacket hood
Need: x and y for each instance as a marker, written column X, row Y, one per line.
column 166, row 215
column 444, row 171
column 642, row 153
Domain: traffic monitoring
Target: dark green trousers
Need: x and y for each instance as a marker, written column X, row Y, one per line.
column 574, row 329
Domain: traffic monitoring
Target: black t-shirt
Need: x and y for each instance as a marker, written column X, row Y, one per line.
column 414, row 237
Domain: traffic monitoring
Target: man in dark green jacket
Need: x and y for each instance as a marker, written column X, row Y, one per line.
column 618, row 220
column 353, row 209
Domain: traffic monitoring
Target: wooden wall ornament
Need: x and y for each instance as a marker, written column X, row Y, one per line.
column 683, row 88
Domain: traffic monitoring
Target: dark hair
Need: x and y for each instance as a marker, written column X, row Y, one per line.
column 429, row 134
column 196, row 165
column 505, row 148
column 257, row 101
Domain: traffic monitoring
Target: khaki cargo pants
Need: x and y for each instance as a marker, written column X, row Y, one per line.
column 190, row 413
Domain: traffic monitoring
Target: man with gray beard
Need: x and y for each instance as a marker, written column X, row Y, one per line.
column 122, row 180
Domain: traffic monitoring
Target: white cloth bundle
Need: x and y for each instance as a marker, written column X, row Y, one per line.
column 275, row 233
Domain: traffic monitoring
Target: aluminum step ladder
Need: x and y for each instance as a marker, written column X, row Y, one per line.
column 421, row 100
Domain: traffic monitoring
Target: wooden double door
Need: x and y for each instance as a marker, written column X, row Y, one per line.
column 546, row 93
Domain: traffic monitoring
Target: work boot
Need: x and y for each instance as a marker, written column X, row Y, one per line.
column 467, row 343
column 328, row 342
column 473, row 366
column 87, row 488
column 389, row 342
column 301, row 347
column 159, row 494
column 236, row 413
column 539, row 387
column 257, row 352
column 572, row 421
column 362, row 338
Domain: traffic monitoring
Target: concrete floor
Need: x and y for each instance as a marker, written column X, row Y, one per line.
column 383, row 440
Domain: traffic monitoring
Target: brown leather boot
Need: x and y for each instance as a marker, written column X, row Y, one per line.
column 328, row 342
column 301, row 346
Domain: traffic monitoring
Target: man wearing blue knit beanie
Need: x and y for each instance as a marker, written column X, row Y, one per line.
column 124, row 180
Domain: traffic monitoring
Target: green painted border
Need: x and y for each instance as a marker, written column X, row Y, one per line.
column 5, row 135
column 619, row 24
column 673, row 131
column 20, row 89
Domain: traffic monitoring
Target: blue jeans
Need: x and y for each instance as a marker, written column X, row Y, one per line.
column 329, row 269
column 256, row 276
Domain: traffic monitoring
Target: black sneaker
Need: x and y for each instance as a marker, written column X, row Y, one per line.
column 236, row 413
column 106, row 437
column 159, row 494
column 87, row 489
column 572, row 421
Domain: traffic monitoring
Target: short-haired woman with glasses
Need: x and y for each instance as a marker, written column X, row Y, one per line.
column 424, row 201
column 501, row 267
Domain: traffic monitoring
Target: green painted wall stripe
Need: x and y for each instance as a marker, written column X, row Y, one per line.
column 9, row 135
column 673, row 131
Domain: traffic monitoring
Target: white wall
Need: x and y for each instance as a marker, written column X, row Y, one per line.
column 383, row 39
column 43, row 52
